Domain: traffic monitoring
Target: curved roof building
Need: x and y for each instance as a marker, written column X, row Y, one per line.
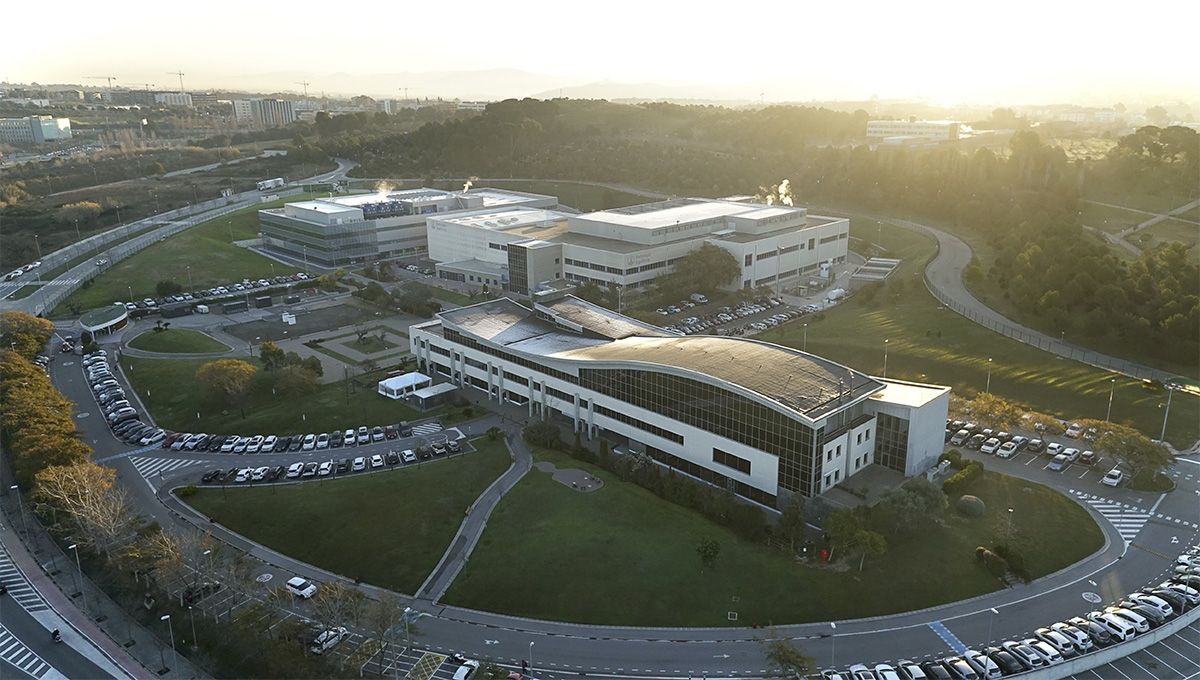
column 761, row 419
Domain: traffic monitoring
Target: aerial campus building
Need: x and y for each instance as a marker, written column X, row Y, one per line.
column 524, row 249
column 762, row 420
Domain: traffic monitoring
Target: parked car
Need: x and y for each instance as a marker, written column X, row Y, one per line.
column 364, row 435
column 325, row 468
column 1048, row 653
column 1087, row 458
column 453, row 446
column 1006, row 450
column 1097, row 633
column 1072, row 454
column 1140, row 623
column 377, row 434
column 1025, row 654
column 349, row 438
column 976, row 441
column 1081, row 640
column 990, row 445
column 328, row 639
column 322, row 441
column 1074, row 431
column 391, row 432
column 268, row 443
column 294, row 470
column 296, row 444
column 1054, row 448
column 392, row 458
column 310, row 442
column 1061, row 643
column 1058, row 463
column 343, row 465
column 254, row 444
column 376, row 461
column 336, row 439
column 301, row 587
column 310, row 470
column 1113, row 478
column 408, row 456
column 360, row 464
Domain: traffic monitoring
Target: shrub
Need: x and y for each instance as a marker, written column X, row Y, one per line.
column 186, row 491
column 971, row 506
column 960, row 480
column 955, row 458
column 542, row 434
column 1016, row 562
column 994, row 563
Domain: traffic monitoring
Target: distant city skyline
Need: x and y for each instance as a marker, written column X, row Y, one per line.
column 940, row 52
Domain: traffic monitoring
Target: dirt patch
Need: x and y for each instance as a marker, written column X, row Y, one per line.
column 573, row 478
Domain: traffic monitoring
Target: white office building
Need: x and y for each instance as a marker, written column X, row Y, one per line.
column 630, row 247
column 368, row 227
column 904, row 131
column 34, row 130
column 173, row 99
column 762, row 420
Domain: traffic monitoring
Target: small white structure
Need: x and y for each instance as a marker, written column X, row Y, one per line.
column 428, row 397
column 401, row 386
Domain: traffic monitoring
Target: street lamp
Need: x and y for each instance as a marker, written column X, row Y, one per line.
column 991, row 620
column 885, row 349
column 189, row 273
column 192, row 615
column 805, row 337
column 24, row 526
column 833, row 639
column 171, row 628
column 74, row 547
column 531, row 658
column 130, row 289
column 1162, row 437
column 1112, row 390
column 988, row 389
column 38, row 243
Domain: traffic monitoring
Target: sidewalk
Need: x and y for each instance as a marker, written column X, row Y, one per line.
column 111, row 638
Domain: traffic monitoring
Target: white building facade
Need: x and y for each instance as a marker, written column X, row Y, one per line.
column 173, row 99
column 34, row 130
column 915, row 130
column 761, row 420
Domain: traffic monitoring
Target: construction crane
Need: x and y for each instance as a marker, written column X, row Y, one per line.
column 110, row 79
column 180, row 74
column 305, row 83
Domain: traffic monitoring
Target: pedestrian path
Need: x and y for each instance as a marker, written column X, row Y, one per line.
column 150, row 467
column 23, row 658
column 1128, row 519
column 19, row 587
column 426, row 429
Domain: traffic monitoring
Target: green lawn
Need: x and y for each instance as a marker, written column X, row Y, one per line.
column 1109, row 219
column 335, row 525
column 370, row 344
column 177, row 341
column 453, row 297
column 209, row 250
column 25, row 291
column 621, row 555
column 1174, row 230
column 171, row 393
column 933, row 344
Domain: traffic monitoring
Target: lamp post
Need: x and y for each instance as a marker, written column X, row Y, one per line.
column 192, row 615
column 805, row 337
column 991, row 620
column 988, row 388
column 171, row 628
column 38, row 243
column 130, row 289
column 885, row 349
column 189, row 273
column 531, row 658
column 1112, row 390
column 74, row 547
column 24, row 525
column 833, row 639
column 1162, row 437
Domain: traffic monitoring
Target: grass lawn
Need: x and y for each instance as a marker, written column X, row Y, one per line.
column 605, row 550
column 207, row 247
column 336, row 525
column 169, row 389
column 370, row 344
column 453, row 297
column 178, row 341
column 932, row 344
column 25, row 291
column 1174, row 230
column 1109, row 219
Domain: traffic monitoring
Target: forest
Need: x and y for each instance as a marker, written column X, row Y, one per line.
column 1023, row 200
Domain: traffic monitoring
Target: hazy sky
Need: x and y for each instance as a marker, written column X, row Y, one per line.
column 1019, row 51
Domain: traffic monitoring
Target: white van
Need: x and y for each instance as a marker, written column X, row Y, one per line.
column 1120, row 629
column 301, row 588
column 202, row 309
column 1138, row 621
column 464, row 671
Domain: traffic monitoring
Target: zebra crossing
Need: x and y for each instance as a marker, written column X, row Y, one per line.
column 151, row 467
column 23, row 658
column 19, row 587
column 1127, row 519
column 426, row 429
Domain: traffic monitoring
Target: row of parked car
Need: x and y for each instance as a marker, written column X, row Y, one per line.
column 270, row 443
column 1134, row 615
column 308, row 469
column 1007, row 445
column 246, row 285
column 118, row 412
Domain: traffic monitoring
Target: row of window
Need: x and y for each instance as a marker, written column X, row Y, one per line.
column 835, row 237
column 729, row 460
column 712, row 476
column 584, row 264
column 498, row 246
column 640, row 424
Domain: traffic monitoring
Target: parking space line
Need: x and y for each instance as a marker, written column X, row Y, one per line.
column 1133, row 661
column 1114, row 667
column 1172, row 650
column 1183, row 639
column 1156, row 658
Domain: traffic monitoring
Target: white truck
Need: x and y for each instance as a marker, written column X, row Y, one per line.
column 267, row 184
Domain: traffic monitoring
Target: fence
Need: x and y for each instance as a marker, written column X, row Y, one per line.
column 54, row 292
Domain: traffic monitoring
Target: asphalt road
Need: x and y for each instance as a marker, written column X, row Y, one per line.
column 1158, row 526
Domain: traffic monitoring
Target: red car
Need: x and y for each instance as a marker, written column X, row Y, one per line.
column 391, row 432
column 170, row 439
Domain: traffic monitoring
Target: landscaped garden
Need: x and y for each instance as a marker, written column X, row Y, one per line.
column 388, row 529
column 622, row 555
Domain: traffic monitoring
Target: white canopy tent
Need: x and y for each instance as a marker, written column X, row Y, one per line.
column 401, row 386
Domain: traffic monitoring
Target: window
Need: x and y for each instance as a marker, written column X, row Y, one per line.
column 829, row 455
column 828, row 479
column 749, row 260
column 729, row 460
column 812, row 243
column 867, row 434
column 858, row 439
column 838, row 451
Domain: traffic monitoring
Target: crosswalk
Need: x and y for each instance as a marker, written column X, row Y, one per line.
column 151, row 467
column 1127, row 519
column 426, row 429
column 19, row 587
column 17, row 654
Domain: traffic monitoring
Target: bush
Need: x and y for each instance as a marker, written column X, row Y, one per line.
column 1016, row 563
column 542, row 434
column 971, row 506
column 186, row 491
column 960, row 480
column 955, row 458
column 994, row 563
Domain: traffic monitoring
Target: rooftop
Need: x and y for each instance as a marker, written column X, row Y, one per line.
column 913, row 395
column 681, row 211
column 321, row 206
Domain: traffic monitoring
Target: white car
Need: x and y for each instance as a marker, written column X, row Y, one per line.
column 985, row 667
column 301, row 587
column 254, row 444
column 408, row 456
column 325, row 469
column 377, row 461
column 328, row 639
column 1072, row 454
column 364, row 435
column 348, row 438
column 243, row 475
column 1113, row 478
column 1048, row 653
column 990, row 445
column 1007, row 450
column 1156, row 603
column 464, row 671
column 294, row 470
column 310, row 441
column 359, row 464
column 1053, row 449
column 1081, row 640
column 886, row 672
column 323, row 441
column 269, row 443
column 1186, row 592
column 259, row 474
column 1075, row 431
column 1139, row 622
column 228, row 444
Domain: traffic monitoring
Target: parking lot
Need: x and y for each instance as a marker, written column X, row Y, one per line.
column 1171, row 659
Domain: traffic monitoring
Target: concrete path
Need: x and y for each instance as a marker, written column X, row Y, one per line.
column 1120, row 239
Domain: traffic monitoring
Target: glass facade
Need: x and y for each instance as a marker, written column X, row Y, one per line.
column 328, row 244
column 518, row 269
column 891, row 441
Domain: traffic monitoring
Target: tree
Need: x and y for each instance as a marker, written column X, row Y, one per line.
column 99, row 510
column 337, row 604
column 703, row 270
column 791, row 523
column 849, row 533
column 295, row 381
column 227, row 379
column 995, row 411
column 83, row 211
column 313, row 365
column 708, row 550
column 915, row 504
column 786, row 660
column 1158, row 116
column 167, row 287
column 271, row 355
column 384, row 618
column 1132, row 449
column 24, row 333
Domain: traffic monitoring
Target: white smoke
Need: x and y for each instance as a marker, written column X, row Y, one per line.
column 469, row 183
column 382, row 187
column 784, row 192
column 778, row 193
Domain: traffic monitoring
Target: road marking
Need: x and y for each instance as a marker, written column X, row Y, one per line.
column 144, row 449
column 1127, row 521
column 949, row 638
column 149, row 467
column 27, row 661
column 19, row 587
column 1172, row 650
column 1147, row 650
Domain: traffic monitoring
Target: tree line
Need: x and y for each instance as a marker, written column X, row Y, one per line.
column 1023, row 201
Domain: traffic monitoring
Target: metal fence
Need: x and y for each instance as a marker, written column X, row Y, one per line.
column 54, row 292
